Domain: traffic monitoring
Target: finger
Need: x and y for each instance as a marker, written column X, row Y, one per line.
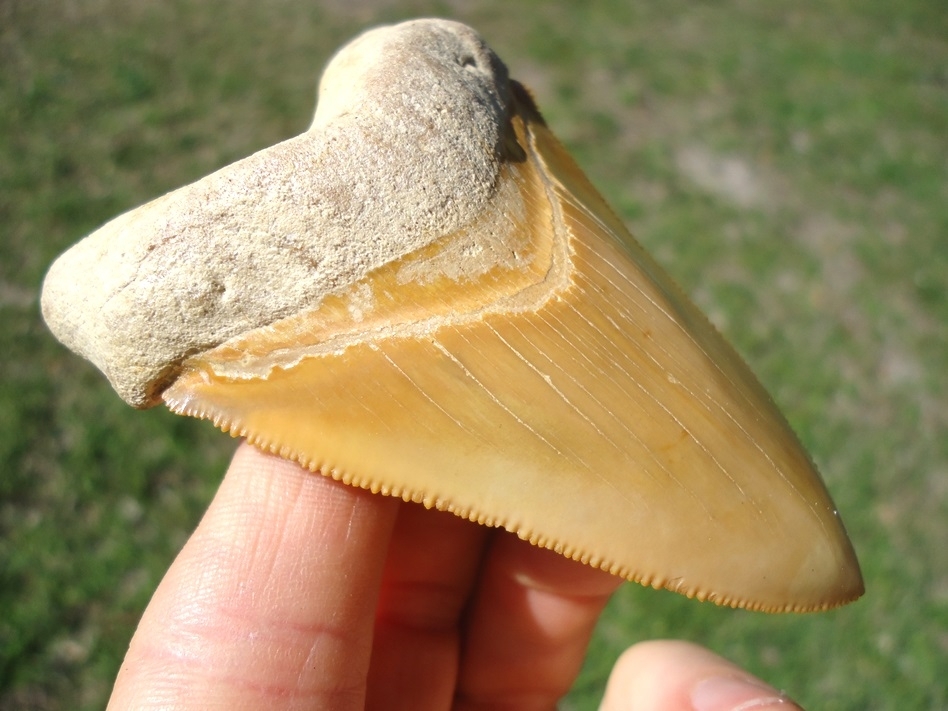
column 270, row 604
column 529, row 627
column 433, row 560
column 679, row 676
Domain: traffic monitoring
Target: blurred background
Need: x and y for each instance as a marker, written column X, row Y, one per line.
column 786, row 161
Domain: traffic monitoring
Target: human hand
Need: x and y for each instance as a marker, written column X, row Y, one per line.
column 298, row 592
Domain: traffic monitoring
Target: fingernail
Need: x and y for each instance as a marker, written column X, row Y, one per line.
column 736, row 694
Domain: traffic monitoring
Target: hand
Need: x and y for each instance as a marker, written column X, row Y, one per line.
column 298, row 592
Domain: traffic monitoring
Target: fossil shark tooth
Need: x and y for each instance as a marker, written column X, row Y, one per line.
column 424, row 296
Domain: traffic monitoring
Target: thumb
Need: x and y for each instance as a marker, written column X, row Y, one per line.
column 679, row 676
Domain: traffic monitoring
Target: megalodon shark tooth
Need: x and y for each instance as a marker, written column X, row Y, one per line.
column 424, row 296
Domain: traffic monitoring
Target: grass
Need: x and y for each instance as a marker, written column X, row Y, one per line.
column 784, row 160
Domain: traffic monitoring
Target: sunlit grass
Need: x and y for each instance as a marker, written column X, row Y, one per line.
column 785, row 161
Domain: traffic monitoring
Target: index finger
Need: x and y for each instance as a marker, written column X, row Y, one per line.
column 270, row 603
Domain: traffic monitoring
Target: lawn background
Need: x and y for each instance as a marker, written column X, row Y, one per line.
column 786, row 161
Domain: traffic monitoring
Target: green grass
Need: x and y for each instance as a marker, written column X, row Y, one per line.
column 786, row 161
